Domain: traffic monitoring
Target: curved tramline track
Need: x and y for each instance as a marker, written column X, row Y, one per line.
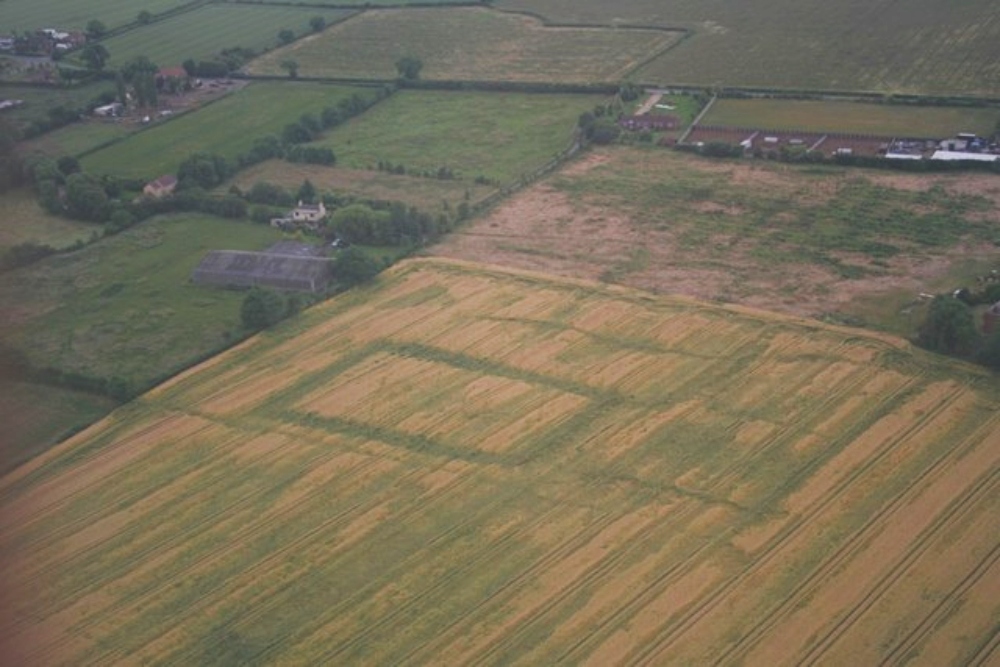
column 682, row 569
column 858, row 542
column 441, row 540
column 773, row 550
column 206, row 524
column 962, row 506
column 299, row 544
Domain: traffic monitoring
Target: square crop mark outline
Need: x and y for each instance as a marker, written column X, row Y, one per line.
column 433, row 405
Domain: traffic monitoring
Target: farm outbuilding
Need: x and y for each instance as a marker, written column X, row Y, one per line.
column 237, row 268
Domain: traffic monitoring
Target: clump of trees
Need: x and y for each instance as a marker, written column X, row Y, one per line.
column 950, row 327
column 408, row 68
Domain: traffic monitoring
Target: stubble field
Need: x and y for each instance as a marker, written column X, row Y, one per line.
column 509, row 468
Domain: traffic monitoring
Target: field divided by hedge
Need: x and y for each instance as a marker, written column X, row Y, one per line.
column 495, row 135
column 508, row 467
column 932, row 47
column 30, row 15
column 227, row 127
column 468, row 43
column 205, row 31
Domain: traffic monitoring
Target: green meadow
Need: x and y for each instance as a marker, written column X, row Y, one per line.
column 496, row 135
column 203, row 32
column 227, row 127
column 125, row 307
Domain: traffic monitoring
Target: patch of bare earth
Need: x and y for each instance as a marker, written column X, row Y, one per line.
column 543, row 228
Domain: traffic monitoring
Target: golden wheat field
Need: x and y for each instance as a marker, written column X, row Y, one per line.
column 464, row 465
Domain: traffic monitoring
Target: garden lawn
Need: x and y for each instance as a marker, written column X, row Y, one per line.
column 500, row 136
column 227, row 127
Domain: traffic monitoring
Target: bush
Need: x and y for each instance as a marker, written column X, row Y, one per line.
column 262, row 308
column 354, row 266
column 949, row 328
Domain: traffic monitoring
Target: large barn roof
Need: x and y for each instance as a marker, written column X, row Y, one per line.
column 237, row 268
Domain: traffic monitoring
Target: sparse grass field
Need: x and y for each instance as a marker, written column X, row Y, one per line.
column 514, row 469
column 124, row 307
column 497, row 135
column 24, row 15
column 36, row 416
column 809, row 241
column 202, row 33
column 853, row 118
column 427, row 194
column 22, row 220
column 227, row 127
column 468, row 43
column 920, row 46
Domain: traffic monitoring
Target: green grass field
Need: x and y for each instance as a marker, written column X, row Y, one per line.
column 22, row 220
column 202, row 33
column 124, row 307
column 427, row 194
column 227, row 127
column 498, row 135
column 38, row 100
column 22, row 15
column 852, row 117
column 919, row 46
column 76, row 138
column 468, row 44
column 35, row 417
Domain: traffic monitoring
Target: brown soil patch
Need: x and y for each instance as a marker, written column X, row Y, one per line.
column 545, row 229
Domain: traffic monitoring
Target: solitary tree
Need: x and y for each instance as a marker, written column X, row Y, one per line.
column 286, row 36
column 291, row 67
column 409, row 67
column 317, row 23
column 307, row 192
column 95, row 29
column 95, row 56
column 86, row 199
column 140, row 72
column 144, row 17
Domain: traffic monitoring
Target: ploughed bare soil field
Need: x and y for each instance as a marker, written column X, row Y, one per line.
column 858, row 245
